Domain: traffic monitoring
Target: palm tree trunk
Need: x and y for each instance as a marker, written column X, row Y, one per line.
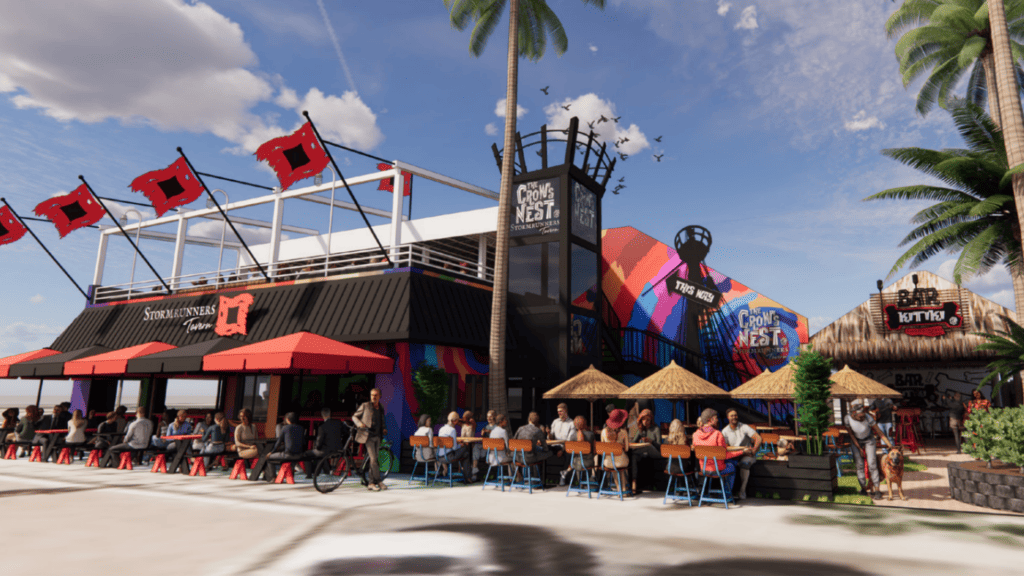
column 988, row 64
column 496, row 391
column 1017, row 274
column 1013, row 121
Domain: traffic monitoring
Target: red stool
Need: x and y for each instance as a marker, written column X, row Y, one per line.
column 94, row 458
column 286, row 475
column 12, row 452
column 37, row 455
column 238, row 471
column 198, row 467
column 126, row 461
column 65, row 456
column 159, row 464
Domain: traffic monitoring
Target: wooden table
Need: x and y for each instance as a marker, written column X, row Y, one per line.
column 469, row 439
column 182, row 450
column 47, row 447
column 793, row 438
column 639, row 444
column 264, row 446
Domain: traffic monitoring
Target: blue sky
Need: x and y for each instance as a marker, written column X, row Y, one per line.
column 772, row 115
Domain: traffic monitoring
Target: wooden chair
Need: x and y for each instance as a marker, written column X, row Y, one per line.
column 607, row 451
column 448, row 444
column 770, row 443
column 419, row 444
column 714, row 453
column 496, row 447
column 580, row 476
column 519, row 449
column 678, row 454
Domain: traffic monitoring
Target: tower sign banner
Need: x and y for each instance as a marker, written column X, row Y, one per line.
column 693, row 292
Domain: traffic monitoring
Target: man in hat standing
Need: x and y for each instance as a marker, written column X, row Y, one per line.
column 863, row 430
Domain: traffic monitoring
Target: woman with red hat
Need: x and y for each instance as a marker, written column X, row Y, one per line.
column 614, row 432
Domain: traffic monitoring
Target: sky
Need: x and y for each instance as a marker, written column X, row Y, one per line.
column 771, row 115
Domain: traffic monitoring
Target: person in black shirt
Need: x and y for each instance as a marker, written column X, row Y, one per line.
column 369, row 419
column 328, row 437
column 289, row 442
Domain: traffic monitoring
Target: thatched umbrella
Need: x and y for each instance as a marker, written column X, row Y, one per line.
column 847, row 384
column 591, row 384
column 778, row 385
column 673, row 382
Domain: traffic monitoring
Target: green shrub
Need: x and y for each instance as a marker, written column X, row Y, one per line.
column 811, row 395
column 996, row 433
column 431, row 387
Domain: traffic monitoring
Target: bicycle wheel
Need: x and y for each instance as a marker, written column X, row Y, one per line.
column 384, row 458
column 326, row 477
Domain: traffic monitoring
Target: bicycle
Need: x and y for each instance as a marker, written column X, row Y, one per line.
column 332, row 470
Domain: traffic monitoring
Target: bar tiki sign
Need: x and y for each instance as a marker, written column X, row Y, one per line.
column 920, row 313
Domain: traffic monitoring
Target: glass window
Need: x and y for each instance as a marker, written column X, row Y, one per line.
column 533, row 273
column 185, row 393
column 583, row 278
column 255, row 394
column 553, row 269
column 515, row 403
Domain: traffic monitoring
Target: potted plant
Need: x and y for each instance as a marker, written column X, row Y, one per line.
column 811, row 394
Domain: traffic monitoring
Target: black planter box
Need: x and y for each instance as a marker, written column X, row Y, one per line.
column 801, row 475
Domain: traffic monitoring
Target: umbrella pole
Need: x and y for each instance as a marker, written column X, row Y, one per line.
column 769, row 413
column 591, row 414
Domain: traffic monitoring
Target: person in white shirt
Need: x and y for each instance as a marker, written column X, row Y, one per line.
column 138, row 434
column 563, row 428
column 449, row 456
column 738, row 434
column 76, row 429
column 426, row 428
column 500, row 430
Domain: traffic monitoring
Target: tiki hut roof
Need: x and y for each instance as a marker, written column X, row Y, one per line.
column 673, row 382
column 848, row 384
column 778, row 385
column 860, row 337
column 591, row 384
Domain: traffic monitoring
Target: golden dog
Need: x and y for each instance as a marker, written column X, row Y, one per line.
column 892, row 470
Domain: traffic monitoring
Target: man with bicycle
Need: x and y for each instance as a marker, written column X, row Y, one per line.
column 369, row 419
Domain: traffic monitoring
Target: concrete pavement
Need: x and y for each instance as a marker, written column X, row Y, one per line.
column 110, row 521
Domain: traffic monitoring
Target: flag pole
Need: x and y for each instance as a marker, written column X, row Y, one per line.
column 223, row 214
column 48, row 253
column 345, row 182
column 116, row 221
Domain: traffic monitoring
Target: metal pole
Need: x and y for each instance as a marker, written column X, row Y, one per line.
column 48, row 253
column 138, row 230
column 39, row 393
column 223, row 214
column 223, row 231
column 129, row 238
column 353, row 196
column 120, row 389
column 330, row 220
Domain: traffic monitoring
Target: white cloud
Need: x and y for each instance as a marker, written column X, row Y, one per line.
column 996, row 278
column 118, row 209
column 164, row 63
column 590, row 108
column 212, row 229
column 499, row 109
column 37, row 299
column 817, row 323
column 723, row 7
column 861, row 121
column 748, row 18
column 1003, row 297
column 593, row 48
column 23, row 336
column 491, row 129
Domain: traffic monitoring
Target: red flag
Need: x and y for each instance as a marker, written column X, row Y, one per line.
column 11, row 229
column 294, row 157
column 389, row 184
column 74, row 210
column 169, row 188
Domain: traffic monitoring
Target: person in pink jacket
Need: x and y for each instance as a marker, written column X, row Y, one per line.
column 710, row 435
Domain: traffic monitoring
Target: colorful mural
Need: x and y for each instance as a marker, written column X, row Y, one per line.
column 760, row 333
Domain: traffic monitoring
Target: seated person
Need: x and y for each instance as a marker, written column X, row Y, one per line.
column 328, row 437
column 180, row 426
column 531, row 431
column 562, row 428
column 786, row 448
column 47, row 423
column 647, row 432
column 138, row 434
column 469, row 431
column 25, row 429
column 200, row 429
column 104, row 431
column 737, row 434
column 677, row 435
column 76, row 430
column 65, row 415
column 500, row 430
column 709, row 435
column 289, row 443
column 245, row 435
column 426, row 453
column 457, row 454
column 583, row 433
column 215, row 437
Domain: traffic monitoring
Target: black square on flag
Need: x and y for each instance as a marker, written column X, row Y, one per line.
column 171, row 187
column 296, row 157
column 73, row 211
column 3, row 231
column 232, row 315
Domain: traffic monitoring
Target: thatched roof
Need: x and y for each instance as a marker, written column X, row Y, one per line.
column 848, row 384
column 860, row 338
column 591, row 384
column 778, row 385
column 673, row 382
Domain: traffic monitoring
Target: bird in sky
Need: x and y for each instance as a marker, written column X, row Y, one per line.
column 657, row 157
column 566, row 106
column 658, row 139
column 545, row 90
column 602, row 119
column 616, row 118
column 624, row 139
column 623, row 156
column 539, row 154
column 591, row 124
column 623, row 179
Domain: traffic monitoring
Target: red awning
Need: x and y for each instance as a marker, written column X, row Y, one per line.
column 111, row 363
column 299, row 351
column 6, row 363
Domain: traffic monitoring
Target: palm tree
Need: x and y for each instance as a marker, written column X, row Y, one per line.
column 945, row 38
column 1009, row 348
column 1012, row 125
column 530, row 23
column 975, row 212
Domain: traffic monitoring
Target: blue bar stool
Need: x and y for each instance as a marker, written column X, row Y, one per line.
column 678, row 456
column 496, row 447
column 529, row 481
column 580, row 480
column 419, row 445
column 608, row 451
column 449, row 445
column 708, row 492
